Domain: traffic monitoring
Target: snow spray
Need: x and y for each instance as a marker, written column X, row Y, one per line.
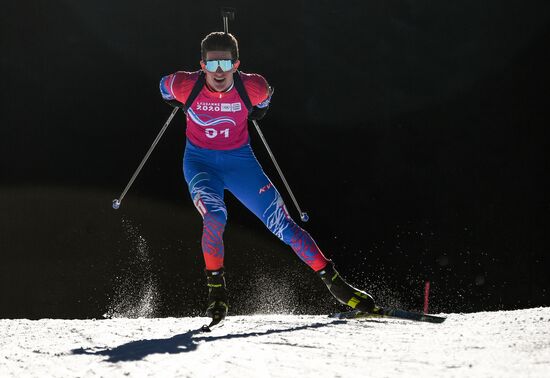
column 136, row 289
column 271, row 293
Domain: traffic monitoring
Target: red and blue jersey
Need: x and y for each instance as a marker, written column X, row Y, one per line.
column 217, row 157
column 215, row 120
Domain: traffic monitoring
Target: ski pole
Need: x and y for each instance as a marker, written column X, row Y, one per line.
column 229, row 14
column 118, row 201
column 303, row 216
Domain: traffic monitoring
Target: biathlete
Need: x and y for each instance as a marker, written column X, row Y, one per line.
column 218, row 100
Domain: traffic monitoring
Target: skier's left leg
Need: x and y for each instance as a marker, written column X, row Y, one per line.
column 247, row 181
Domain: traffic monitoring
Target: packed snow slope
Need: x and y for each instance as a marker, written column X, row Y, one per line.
column 485, row 344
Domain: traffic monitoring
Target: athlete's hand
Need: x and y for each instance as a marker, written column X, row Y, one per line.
column 259, row 111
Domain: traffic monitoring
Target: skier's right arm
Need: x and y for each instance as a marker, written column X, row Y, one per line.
column 175, row 88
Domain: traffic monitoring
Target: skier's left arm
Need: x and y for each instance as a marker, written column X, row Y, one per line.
column 260, row 94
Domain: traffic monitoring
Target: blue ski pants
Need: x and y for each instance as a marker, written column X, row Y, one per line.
column 209, row 172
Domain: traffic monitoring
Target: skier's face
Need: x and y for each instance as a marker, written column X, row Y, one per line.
column 219, row 80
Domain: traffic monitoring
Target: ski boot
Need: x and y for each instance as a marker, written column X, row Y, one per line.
column 344, row 292
column 217, row 296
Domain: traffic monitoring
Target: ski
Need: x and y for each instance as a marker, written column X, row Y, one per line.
column 217, row 322
column 213, row 324
column 395, row 313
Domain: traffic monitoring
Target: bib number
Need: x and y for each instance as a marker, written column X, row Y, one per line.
column 212, row 133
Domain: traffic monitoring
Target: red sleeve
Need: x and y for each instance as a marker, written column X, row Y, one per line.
column 178, row 85
column 256, row 87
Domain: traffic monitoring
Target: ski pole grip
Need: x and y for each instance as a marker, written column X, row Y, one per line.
column 228, row 14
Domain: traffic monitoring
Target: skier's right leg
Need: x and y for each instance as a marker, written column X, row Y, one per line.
column 207, row 195
column 206, row 190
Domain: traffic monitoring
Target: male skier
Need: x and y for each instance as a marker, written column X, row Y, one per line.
column 218, row 100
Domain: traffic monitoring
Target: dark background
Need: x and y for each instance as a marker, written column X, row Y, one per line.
column 414, row 133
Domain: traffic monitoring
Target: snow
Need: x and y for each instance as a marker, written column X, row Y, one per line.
column 485, row 344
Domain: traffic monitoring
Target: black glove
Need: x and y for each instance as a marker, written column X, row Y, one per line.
column 174, row 103
column 257, row 113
